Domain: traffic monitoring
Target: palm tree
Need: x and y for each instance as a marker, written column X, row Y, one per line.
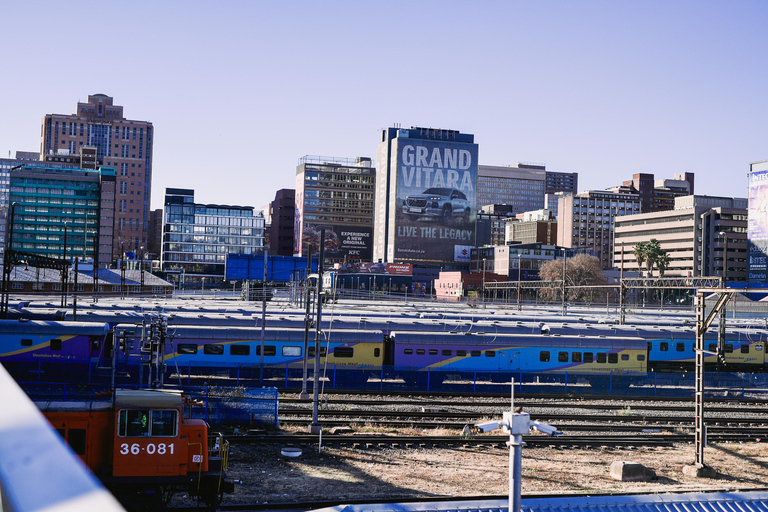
column 640, row 254
column 652, row 251
column 662, row 262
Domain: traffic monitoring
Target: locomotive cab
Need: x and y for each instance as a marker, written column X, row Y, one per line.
column 154, row 439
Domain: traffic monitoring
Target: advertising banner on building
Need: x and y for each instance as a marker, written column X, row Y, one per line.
column 298, row 219
column 757, row 224
column 436, row 198
column 340, row 241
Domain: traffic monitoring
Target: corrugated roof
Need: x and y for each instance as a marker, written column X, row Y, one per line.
column 721, row 502
column 106, row 276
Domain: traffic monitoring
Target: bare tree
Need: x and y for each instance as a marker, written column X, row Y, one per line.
column 581, row 270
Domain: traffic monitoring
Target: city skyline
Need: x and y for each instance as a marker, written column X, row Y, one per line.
column 241, row 91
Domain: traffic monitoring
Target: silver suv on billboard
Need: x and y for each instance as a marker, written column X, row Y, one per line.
column 439, row 203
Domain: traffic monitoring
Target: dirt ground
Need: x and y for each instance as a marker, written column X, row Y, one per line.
column 399, row 474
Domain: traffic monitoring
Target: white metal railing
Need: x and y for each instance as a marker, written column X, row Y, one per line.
column 38, row 471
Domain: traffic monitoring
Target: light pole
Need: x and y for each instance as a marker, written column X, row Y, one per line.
column 141, row 267
column 565, row 306
column 519, row 279
column 203, row 290
column 483, row 287
column 721, row 324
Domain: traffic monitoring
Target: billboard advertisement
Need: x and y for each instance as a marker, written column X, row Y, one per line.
column 757, row 224
column 298, row 219
column 436, row 187
column 355, row 242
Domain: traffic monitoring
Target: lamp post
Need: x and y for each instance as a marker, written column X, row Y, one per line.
column 483, row 286
column 203, row 290
column 565, row 306
column 519, row 279
column 721, row 323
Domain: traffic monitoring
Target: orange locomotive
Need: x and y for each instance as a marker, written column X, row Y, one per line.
column 143, row 447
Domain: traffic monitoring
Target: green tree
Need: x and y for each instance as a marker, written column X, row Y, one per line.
column 652, row 251
column 662, row 262
column 640, row 255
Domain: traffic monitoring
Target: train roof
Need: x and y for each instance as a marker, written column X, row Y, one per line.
column 54, row 328
column 539, row 340
column 148, row 398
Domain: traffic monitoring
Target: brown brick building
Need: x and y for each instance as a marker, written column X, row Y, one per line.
column 121, row 143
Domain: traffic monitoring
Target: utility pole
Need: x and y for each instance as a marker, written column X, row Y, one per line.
column 315, row 427
column 721, row 324
column 622, row 290
column 307, row 324
column 565, row 305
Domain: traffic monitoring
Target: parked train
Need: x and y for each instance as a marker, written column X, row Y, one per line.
column 63, row 349
column 142, row 447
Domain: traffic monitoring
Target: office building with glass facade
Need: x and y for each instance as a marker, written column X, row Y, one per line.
column 197, row 237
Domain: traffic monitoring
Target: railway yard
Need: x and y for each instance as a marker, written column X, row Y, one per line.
column 403, row 444
column 411, row 447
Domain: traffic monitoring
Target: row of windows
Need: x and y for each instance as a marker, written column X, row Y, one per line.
column 680, row 347
column 217, row 349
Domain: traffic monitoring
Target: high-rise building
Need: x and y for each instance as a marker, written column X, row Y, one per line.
column 658, row 195
column 197, row 237
column 63, row 207
column 585, row 221
column 282, row 214
column 335, row 194
column 155, row 234
column 522, row 186
column 426, row 197
column 693, row 235
column 121, row 143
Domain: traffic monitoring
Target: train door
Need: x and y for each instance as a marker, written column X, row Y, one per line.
column 512, row 360
column 389, row 350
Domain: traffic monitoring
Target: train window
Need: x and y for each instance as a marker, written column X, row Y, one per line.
column 343, row 352
column 408, row 351
column 663, row 346
column 26, row 343
column 712, row 347
column 213, row 349
column 239, row 350
column 490, row 353
column 376, row 352
column 433, row 351
column 601, row 358
column 420, row 351
column 446, row 352
column 641, row 357
column 311, row 351
column 588, row 357
column 163, row 422
column 146, row 422
column 475, row 353
column 76, row 439
column 613, row 358
column 544, row 356
column 625, row 357
column 562, row 357
column 186, row 348
column 461, row 352
column 745, row 349
column 56, row 344
column 576, row 357
column 269, row 350
column 94, row 343
column 729, row 348
column 291, row 351
column 680, row 347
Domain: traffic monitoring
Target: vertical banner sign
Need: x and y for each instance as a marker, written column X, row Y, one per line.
column 757, row 225
column 298, row 220
column 380, row 203
column 436, row 198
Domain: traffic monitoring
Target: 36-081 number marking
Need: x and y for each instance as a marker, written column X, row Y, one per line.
column 135, row 449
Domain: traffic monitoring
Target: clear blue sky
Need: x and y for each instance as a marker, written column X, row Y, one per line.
column 239, row 91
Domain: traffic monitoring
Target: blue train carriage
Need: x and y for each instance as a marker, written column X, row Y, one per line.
column 595, row 358
column 236, row 351
column 35, row 350
column 745, row 351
